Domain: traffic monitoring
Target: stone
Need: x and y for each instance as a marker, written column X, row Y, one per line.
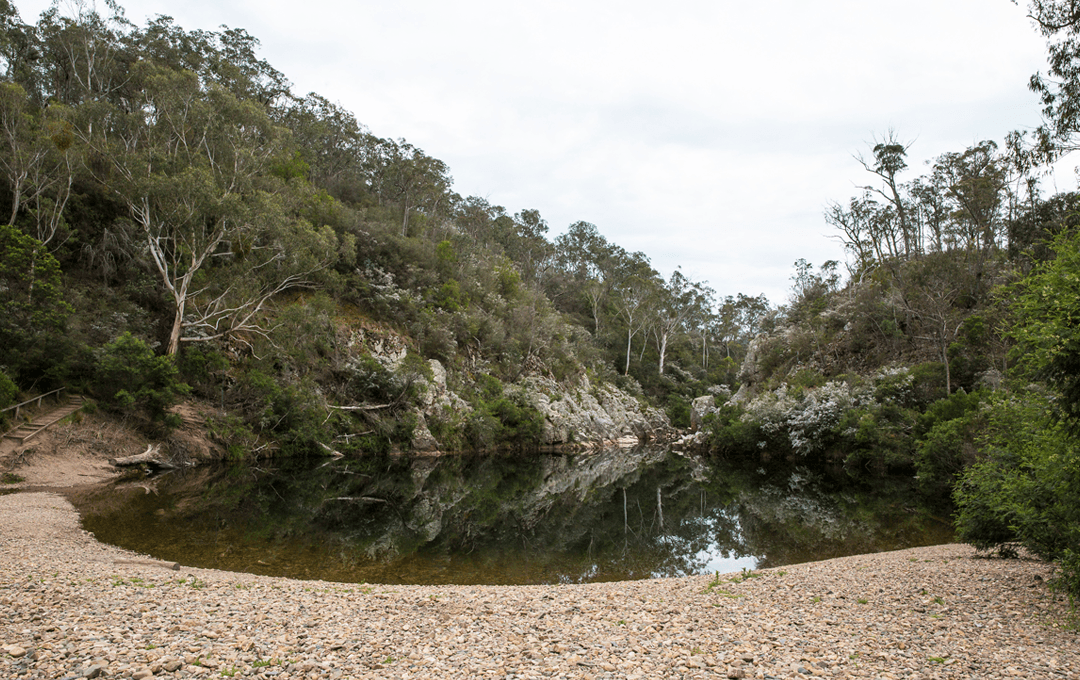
column 699, row 408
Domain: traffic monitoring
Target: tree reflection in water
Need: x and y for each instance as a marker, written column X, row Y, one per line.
column 498, row 519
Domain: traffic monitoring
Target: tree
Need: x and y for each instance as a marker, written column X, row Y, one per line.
column 335, row 146
column 36, row 160
column 191, row 165
column 888, row 162
column 1047, row 329
column 405, row 175
column 637, row 284
column 677, row 301
column 592, row 263
column 31, row 298
column 1059, row 23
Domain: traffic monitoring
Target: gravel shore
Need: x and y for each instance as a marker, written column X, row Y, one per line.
column 71, row 607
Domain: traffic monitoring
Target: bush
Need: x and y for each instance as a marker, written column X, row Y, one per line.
column 8, row 390
column 730, row 435
column 678, row 410
column 130, row 377
column 1027, row 490
column 505, row 421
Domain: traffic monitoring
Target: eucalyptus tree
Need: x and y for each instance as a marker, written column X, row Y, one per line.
column 593, row 265
column 335, row 146
column 1059, row 22
column 37, row 160
column 528, row 247
column 633, row 294
column 191, row 164
column 404, row 175
column 85, row 56
column 889, row 161
column 676, row 302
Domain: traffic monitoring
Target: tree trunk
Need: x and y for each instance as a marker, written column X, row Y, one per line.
column 663, row 351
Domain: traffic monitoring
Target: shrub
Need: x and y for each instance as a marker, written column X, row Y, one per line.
column 8, row 390
column 1027, row 490
column 130, row 376
column 731, row 435
column 678, row 410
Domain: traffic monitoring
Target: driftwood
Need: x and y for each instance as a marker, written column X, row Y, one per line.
column 173, row 566
column 359, row 499
column 151, row 456
column 366, row 407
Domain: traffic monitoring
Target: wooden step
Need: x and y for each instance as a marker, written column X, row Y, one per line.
column 42, row 422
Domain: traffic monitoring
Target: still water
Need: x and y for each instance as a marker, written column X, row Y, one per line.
column 617, row 514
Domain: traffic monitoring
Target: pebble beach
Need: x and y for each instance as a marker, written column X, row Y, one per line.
column 71, row 607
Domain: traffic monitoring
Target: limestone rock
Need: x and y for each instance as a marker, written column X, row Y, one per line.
column 583, row 413
column 699, row 408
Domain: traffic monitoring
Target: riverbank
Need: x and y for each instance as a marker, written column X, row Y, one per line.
column 72, row 607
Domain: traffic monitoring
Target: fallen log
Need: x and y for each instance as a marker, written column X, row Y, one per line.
column 151, row 456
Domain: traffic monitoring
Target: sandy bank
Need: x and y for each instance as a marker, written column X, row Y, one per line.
column 69, row 609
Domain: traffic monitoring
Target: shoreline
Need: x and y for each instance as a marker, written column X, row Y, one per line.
column 73, row 607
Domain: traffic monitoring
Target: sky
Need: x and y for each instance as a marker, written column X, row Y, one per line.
column 709, row 134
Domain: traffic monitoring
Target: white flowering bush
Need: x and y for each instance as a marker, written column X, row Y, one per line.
column 804, row 419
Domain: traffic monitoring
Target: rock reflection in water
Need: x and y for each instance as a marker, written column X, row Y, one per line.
column 612, row 515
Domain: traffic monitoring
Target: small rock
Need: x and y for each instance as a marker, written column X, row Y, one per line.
column 92, row 672
column 15, row 651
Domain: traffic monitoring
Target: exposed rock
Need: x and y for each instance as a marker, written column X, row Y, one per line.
column 437, row 397
column 423, row 441
column 386, row 347
column 699, row 408
column 583, row 413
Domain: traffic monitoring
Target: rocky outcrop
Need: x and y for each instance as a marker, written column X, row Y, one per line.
column 699, row 408
column 436, row 400
column 583, row 413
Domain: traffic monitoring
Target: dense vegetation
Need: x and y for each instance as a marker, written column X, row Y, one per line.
column 180, row 223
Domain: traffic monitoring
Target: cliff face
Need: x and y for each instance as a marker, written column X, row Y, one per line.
column 578, row 413
column 584, row 413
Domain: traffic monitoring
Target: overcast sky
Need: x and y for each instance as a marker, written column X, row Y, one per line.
column 708, row 134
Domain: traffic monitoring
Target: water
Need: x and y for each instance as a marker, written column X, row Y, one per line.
column 500, row 519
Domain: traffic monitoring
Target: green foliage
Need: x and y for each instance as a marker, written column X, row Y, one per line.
column 503, row 421
column 731, row 435
column 956, row 405
column 32, row 308
column 288, row 413
column 1027, row 490
column 450, row 298
column 131, row 377
column 678, row 410
column 9, row 391
column 202, row 367
column 944, row 452
column 1047, row 329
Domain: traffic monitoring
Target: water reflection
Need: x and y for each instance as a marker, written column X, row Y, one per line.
column 613, row 515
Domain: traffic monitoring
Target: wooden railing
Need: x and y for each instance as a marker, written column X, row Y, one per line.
column 28, row 401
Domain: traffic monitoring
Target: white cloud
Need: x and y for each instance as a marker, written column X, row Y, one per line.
column 708, row 134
